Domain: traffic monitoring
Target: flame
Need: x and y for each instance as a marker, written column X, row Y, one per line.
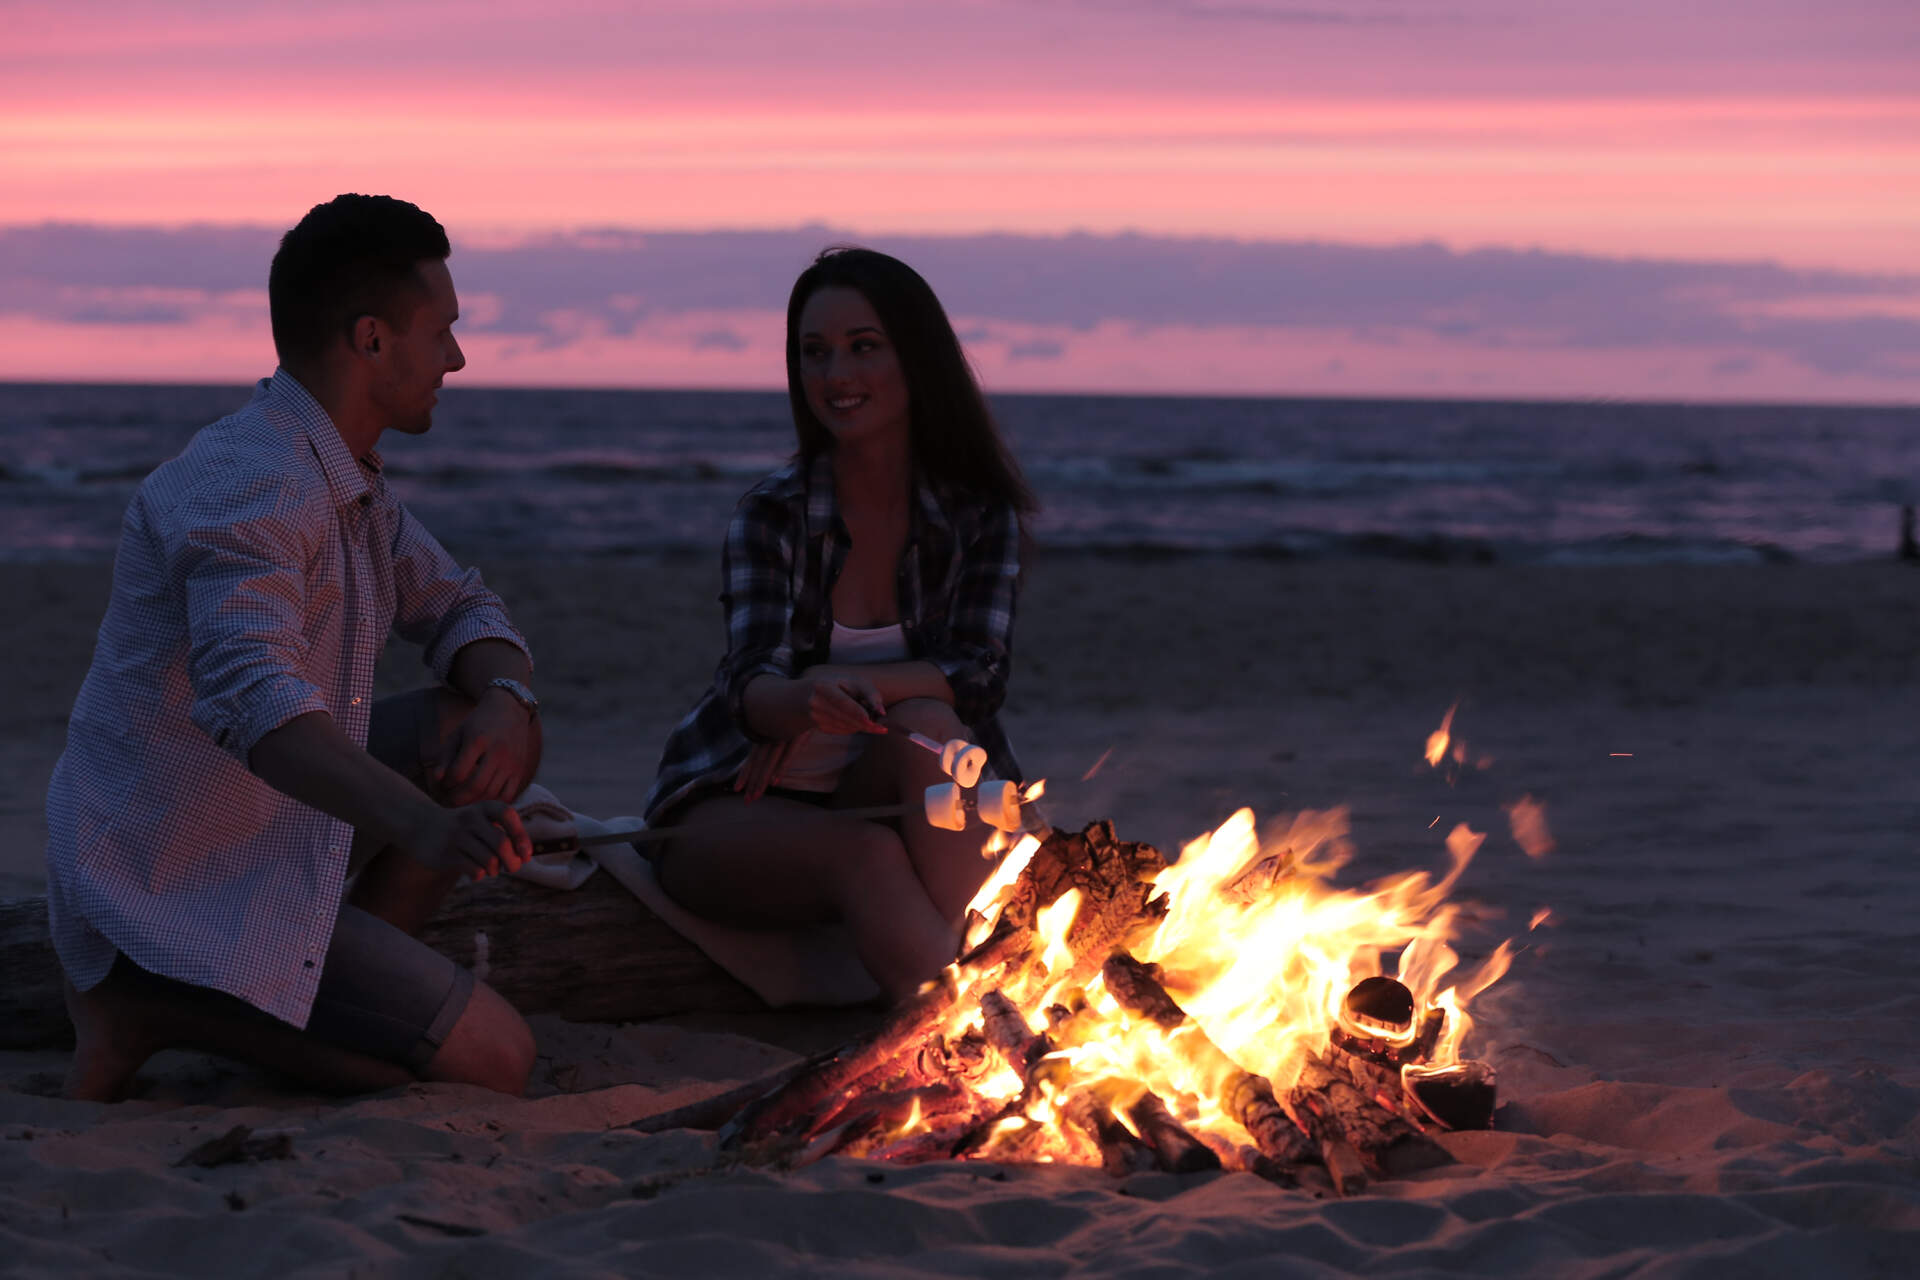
column 992, row 896
column 1527, row 819
column 1051, row 924
column 1438, row 739
column 1258, row 946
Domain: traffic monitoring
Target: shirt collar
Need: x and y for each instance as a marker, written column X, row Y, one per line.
column 821, row 505
column 349, row 479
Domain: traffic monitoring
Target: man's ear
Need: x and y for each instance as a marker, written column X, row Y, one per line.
column 366, row 336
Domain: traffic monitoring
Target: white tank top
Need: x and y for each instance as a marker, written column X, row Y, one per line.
column 816, row 764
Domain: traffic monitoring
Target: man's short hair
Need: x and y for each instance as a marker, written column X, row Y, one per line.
column 353, row 256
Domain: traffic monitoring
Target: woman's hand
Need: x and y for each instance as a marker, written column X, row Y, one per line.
column 841, row 700
column 764, row 765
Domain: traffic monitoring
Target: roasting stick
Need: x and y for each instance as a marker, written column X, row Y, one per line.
column 946, row 805
column 654, row 835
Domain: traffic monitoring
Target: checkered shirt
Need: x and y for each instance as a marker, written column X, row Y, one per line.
column 258, row 575
column 957, row 582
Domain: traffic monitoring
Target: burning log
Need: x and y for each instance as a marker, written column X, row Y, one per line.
column 1103, row 868
column 1113, row 876
column 1121, row 1153
column 1334, row 1112
column 1007, row 1031
column 1177, row 1150
column 1246, row 1097
column 1247, row 1159
column 1005, row 1057
column 1368, row 1047
column 1460, row 1096
column 797, row 1101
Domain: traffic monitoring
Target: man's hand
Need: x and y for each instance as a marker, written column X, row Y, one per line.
column 480, row 840
column 489, row 756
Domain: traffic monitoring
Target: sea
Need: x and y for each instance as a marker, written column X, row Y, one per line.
column 578, row 474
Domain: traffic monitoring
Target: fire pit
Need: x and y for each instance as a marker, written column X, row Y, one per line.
column 1228, row 1010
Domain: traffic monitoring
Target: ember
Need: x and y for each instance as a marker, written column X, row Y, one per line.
column 1113, row 1010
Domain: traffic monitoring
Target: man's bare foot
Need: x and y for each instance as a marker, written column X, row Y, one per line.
column 112, row 1040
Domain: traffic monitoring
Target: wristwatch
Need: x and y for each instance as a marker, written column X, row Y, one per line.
column 521, row 694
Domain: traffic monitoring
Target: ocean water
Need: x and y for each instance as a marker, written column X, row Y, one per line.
column 591, row 473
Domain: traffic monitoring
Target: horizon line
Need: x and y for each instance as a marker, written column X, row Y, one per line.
column 1681, row 402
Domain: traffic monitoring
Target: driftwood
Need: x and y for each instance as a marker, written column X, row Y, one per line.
column 592, row 954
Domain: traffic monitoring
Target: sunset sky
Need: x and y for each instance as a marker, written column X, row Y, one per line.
column 1638, row 198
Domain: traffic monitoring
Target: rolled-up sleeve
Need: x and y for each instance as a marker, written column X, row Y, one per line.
column 437, row 604
column 242, row 559
column 756, row 568
column 977, row 656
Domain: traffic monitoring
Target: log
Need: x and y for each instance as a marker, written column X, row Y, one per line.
column 1120, row 1152
column 1176, row 1150
column 910, row 1022
column 1007, row 1031
column 1334, row 1112
column 715, row 1110
column 1114, row 875
column 1247, row 1159
column 592, row 954
column 1244, row 1096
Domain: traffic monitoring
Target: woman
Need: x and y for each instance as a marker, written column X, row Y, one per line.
column 868, row 585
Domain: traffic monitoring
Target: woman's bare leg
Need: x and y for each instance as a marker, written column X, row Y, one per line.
column 773, row 862
column 895, row 771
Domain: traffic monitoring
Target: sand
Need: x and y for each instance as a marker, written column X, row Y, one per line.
column 1710, row 1058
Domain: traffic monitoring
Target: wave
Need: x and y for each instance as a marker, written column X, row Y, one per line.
column 1281, row 477
column 589, row 466
column 1433, row 548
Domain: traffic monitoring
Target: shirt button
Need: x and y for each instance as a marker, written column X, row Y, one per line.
column 309, row 964
column 356, row 702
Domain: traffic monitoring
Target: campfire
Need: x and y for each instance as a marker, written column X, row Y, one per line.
column 1233, row 1009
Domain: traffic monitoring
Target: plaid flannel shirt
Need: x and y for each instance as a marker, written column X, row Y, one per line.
column 957, row 582
column 258, row 575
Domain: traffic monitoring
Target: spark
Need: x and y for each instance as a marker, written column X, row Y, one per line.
column 1088, row 775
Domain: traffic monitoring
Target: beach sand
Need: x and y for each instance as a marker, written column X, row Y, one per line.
column 1709, row 1059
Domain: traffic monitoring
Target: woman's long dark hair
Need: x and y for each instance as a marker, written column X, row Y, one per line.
column 955, row 441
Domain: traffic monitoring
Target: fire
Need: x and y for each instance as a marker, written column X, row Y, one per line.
column 1262, row 951
column 1437, row 740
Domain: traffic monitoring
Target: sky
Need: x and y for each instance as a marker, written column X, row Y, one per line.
column 1641, row 199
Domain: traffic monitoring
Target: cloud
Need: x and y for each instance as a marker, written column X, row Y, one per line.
column 719, row 340
column 1034, row 295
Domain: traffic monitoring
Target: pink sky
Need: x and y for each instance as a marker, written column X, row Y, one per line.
column 1744, row 129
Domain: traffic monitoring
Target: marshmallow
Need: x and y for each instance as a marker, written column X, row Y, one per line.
column 946, row 808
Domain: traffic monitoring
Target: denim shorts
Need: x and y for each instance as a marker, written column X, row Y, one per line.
column 385, row 993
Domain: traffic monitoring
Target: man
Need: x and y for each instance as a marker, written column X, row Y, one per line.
column 217, row 791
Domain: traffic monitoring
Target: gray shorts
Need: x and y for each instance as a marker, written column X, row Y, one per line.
column 385, row 993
